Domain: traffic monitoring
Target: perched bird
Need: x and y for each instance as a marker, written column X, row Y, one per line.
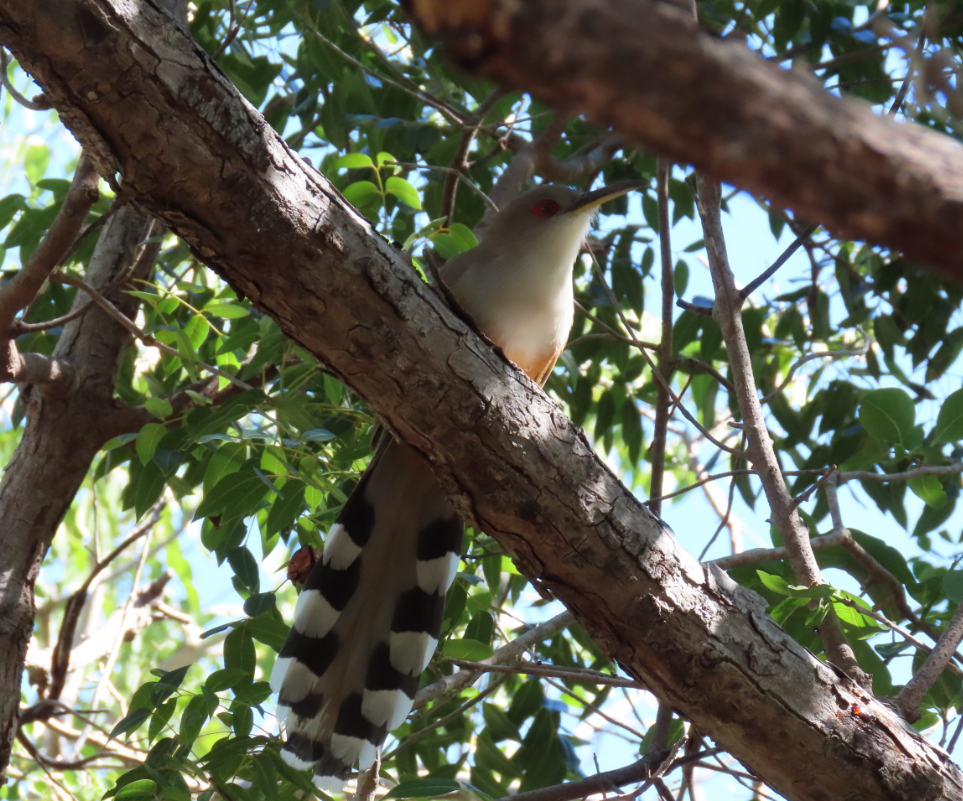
column 368, row 619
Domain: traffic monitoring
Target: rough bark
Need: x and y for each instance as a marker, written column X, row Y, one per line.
column 192, row 151
column 647, row 69
column 62, row 435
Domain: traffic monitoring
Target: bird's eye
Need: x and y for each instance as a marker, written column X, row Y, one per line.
column 545, row 208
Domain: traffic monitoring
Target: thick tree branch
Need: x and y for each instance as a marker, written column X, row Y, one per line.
column 192, row 151
column 647, row 70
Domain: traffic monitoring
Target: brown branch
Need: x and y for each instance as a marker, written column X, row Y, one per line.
column 664, row 362
column 64, row 229
column 39, row 103
column 53, row 375
column 538, row 669
column 773, row 132
column 727, row 313
column 525, row 162
column 350, row 299
column 60, row 659
column 456, row 681
column 460, row 164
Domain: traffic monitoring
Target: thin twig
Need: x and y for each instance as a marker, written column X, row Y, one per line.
column 115, row 650
column 511, row 650
column 410, row 165
column 459, row 164
column 659, row 379
column 727, row 312
column 911, row 695
column 538, row 669
column 60, row 659
column 664, row 361
column 39, row 103
column 862, row 350
column 132, row 327
column 753, row 285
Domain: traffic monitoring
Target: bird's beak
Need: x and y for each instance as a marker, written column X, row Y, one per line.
column 595, row 198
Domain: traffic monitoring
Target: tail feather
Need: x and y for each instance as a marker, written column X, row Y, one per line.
column 368, row 619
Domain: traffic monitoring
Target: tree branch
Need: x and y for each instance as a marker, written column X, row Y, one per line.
column 345, row 295
column 727, row 313
column 649, row 72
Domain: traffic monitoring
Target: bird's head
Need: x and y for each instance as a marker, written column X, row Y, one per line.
column 552, row 212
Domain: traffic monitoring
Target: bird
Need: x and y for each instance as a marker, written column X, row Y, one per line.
column 368, row 618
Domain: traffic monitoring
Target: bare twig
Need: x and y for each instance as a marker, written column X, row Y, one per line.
column 906, row 475
column 759, row 555
column 524, row 163
column 664, row 364
column 727, row 313
column 599, row 783
column 368, row 781
column 446, row 110
column 753, row 285
column 448, row 684
column 862, row 350
column 60, row 660
column 911, row 695
column 450, row 171
column 63, row 231
column 656, row 373
column 115, row 651
column 39, row 103
column 538, row 669
column 459, row 164
column 131, row 326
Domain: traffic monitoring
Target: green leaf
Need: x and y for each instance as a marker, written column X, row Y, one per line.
column 463, row 236
column 130, row 722
column 888, row 414
column 226, row 309
column 775, row 583
column 259, row 603
column 816, row 591
column 235, row 495
column 239, row 651
column 499, row 724
column 159, row 407
column 404, row 191
column 245, row 567
column 361, row 192
column 142, row 790
column 354, row 161
column 469, row 650
column 424, row 788
column 147, row 440
column 160, row 719
column 949, row 423
column 930, row 489
column 268, row 628
column 227, row 678
column 286, row 508
column 169, row 682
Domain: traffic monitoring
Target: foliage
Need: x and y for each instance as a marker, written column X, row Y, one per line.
column 264, row 467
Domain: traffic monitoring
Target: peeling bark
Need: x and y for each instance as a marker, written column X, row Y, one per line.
column 192, row 151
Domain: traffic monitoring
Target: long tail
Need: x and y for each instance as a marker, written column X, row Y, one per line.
column 368, row 619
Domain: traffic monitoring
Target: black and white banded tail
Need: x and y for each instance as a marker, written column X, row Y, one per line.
column 367, row 621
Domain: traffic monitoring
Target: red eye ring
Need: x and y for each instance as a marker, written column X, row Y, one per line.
column 545, row 208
